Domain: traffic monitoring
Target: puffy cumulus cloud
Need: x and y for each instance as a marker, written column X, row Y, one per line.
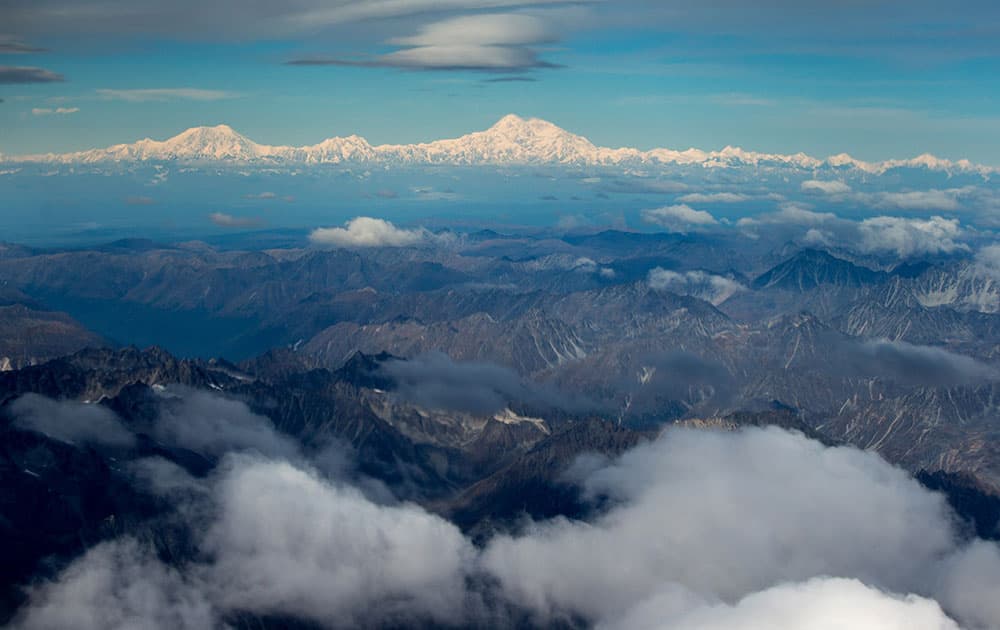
column 279, row 540
column 833, row 187
column 370, row 232
column 819, row 604
column 497, row 42
column 222, row 219
column 435, row 381
column 694, row 536
column 902, row 236
column 929, row 200
column 680, row 218
column 289, row 542
column 910, row 237
column 117, row 585
column 788, row 214
column 707, row 286
column 68, row 421
column 696, row 513
column 968, row 582
column 722, row 197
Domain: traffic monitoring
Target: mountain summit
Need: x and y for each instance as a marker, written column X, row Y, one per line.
column 511, row 140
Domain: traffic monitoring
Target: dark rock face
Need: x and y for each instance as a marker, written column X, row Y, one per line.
column 591, row 363
column 813, row 268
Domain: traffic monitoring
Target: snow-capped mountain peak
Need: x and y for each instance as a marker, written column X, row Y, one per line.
column 218, row 142
column 516, row 140
column 511, row 140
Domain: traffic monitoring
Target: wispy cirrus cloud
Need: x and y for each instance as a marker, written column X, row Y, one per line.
column 28, row 74
column 165, row 94
column 13, row 46
column 222, row 219
column 826, row 187
column 721, row 197
column 58, row 111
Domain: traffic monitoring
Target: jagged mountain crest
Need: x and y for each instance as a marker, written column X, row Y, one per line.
column 511, row 140
column 812, row 268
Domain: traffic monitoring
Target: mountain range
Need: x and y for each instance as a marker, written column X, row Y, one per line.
column 513, row 140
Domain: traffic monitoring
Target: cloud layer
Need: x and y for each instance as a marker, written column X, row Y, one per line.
column 73, row 422
column 692, row 535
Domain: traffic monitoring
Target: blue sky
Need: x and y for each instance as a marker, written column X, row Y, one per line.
column 875, row 79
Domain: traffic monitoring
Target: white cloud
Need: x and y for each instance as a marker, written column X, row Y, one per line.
column 289, row 542
column 910, row 237
column 788, row 214
column 166, row 94
column 819, row 604
column 222, row 219
column 707, row 286
column 117, row 585
column 212, row 425
column 475, row 30
column 722, row 197
column 930, row 200
column 695, row 516
column 370, row 232
column 904, row 237
column 58, row 111
column 988, row 261
column 679, row 218
column 694, row 536
column 826, row 187
column 474, row 42
column 282, row 541
column 68, row 421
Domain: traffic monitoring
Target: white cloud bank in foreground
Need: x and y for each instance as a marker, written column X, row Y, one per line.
column 370, row 232
column 819, row 604
column 705, row 520
column 707, row 286
column 696, row 537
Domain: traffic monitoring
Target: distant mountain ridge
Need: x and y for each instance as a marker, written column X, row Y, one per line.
column 512, row 140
